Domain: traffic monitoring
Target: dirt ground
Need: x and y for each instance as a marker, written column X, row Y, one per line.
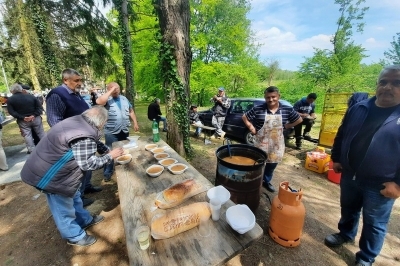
column 28, row 235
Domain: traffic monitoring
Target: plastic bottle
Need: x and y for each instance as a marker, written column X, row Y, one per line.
column 156, row 135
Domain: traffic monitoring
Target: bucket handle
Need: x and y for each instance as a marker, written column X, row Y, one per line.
column 258, row 161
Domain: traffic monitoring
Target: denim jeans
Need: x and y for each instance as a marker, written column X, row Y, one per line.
column 110, row 139
column 86, row 182
column 164, row 120
column 69, row 215
column 376, row 210
column 269, row 171
column 198, row 129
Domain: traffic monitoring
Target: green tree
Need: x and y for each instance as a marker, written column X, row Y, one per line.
column 176, row 58
column 393, row 54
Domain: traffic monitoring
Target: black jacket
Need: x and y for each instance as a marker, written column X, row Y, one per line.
column 21, row 105
column 154, row 111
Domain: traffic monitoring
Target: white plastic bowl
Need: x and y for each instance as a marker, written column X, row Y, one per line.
column 240, row 218
column 154, row 170
column 182, row 168
column 149, row 147
column 133, row 138
column 157, row 150
column 220, row 193
column 161, row 156
column 124, row 159
column 167, row 162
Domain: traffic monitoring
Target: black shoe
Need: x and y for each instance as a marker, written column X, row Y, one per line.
column 28, row 152
column 307, row 136
column 93, row 189
column 336, row 240
column 96, row 219
column 269, row 186
column 86, row 241
column 298, row 147
column 107, row 178
column 165, row 130
column 87, row 201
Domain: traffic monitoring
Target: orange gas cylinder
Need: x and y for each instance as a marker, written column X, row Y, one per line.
column 287, row 216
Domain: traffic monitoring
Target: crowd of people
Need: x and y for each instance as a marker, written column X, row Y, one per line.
column 62, row 161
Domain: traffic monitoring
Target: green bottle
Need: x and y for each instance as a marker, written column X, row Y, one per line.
column 156, row 135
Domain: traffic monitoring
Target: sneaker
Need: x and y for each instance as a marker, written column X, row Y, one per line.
column 222, row 134
column 361, row 262
column 336, row 240
column 86, row 241
column 96, row 219
column 87, row 201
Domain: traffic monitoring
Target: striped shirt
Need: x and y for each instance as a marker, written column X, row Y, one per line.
column 84, row 151
column 256, row 115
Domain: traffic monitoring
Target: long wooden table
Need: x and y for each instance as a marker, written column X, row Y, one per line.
column 137, row 193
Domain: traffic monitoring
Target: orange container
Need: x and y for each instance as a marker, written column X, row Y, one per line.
column 332, row 176
column 287, row 215
column 317, row 161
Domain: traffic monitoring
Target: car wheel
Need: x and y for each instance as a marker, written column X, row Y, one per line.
column 249, row 138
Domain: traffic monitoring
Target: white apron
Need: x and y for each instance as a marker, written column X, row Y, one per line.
column 270, row 138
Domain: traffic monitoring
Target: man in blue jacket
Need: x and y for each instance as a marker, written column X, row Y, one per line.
column 366, row 151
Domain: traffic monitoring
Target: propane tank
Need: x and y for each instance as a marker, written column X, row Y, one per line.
column 287, row 215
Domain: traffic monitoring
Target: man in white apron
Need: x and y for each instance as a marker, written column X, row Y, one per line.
column 267, row 122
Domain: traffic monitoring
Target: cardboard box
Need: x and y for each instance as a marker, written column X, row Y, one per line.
column 317, row 162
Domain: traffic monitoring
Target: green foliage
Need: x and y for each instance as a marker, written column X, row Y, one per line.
column 393, row 54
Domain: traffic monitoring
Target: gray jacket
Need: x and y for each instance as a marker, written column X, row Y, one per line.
column 51, row 167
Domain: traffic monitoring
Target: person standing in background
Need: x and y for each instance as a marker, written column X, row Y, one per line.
column 3, row 159
column 63, row 102
column 220, row 109
column 154, row 112
column 117, row 127
column 27, row 110
column 366, row 152
column 306, row 109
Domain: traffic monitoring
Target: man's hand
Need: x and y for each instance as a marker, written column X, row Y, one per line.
column 29, row 118
column 391, row 190
column 116, row 152
column 337, row 167
column 135, row 127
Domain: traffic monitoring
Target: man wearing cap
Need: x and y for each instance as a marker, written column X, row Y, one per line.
column 221, row 106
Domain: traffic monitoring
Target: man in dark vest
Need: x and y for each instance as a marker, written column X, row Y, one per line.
column 63, row 102
column 56, row 168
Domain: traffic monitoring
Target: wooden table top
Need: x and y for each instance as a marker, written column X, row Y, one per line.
column 137, row 193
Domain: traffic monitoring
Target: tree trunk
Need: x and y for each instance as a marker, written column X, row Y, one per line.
column 27, row 46
column 174, row 20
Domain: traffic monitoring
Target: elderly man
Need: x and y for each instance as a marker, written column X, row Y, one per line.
column 117, row 127
column 154, row 112
column 366, row 151
column 57, row 167
column 63, row 102
column 220, row 109
column 267, row 122
column 27, row 110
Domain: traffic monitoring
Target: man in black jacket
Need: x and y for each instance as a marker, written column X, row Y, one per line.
column 27, row 110
column 154, row 112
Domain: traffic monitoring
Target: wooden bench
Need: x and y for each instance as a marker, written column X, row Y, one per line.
column 209, row 129
column 137, row 194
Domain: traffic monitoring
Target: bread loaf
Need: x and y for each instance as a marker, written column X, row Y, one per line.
column 178, row 193
column 180, row 220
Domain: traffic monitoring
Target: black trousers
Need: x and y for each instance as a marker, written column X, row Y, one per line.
column 308, row 123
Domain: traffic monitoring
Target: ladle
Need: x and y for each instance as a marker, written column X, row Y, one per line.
column 228, row 143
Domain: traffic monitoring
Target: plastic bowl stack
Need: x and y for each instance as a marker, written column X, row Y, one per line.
column 240, row 218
